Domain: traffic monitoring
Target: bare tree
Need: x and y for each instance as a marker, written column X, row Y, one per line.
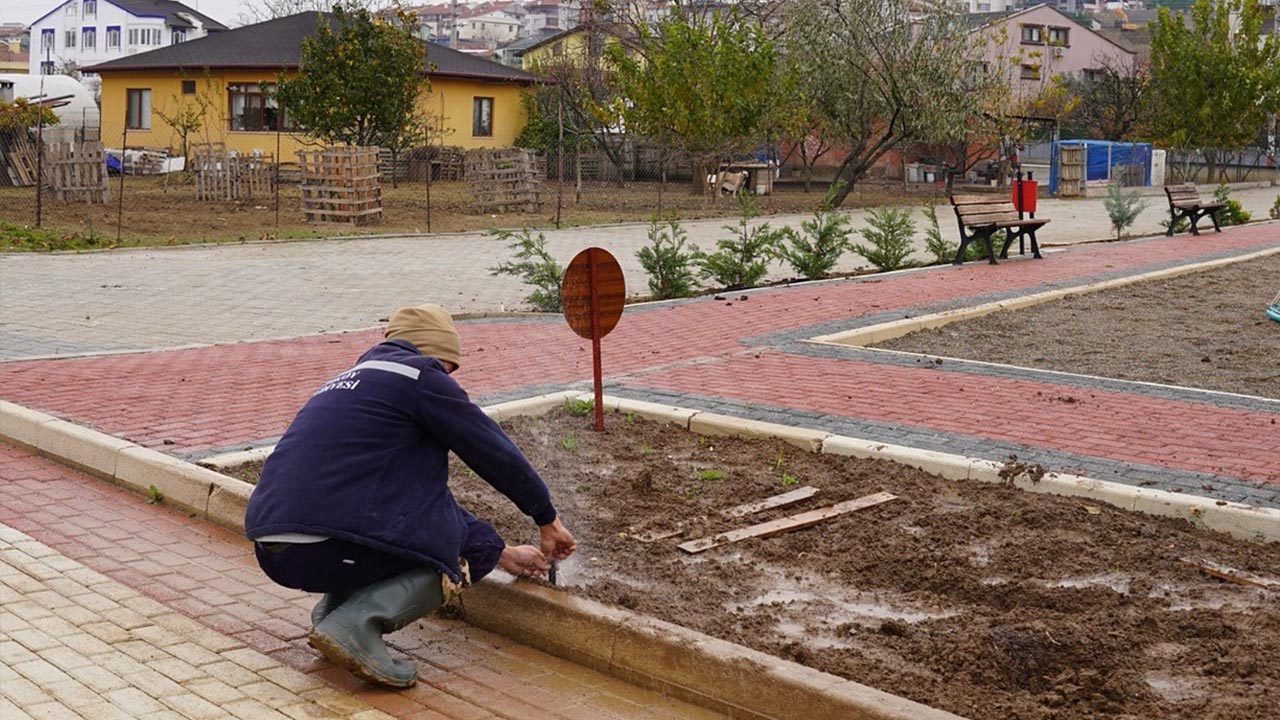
column 881, row 74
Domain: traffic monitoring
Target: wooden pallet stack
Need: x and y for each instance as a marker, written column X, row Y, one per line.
column 341, row 185
column 76, row 171
column 504, row 179
column 394, row 167
column 227, row 175
column 17, row 160
column 451, row 163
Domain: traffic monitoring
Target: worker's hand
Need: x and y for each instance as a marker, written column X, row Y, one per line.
column 557, row 541
column 523, row 560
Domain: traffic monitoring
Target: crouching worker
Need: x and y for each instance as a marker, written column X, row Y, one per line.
column 354, row 502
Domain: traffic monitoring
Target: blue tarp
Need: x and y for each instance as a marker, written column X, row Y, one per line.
column 1101, row 156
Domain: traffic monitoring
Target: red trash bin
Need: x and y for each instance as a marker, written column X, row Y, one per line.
column 1024, row 195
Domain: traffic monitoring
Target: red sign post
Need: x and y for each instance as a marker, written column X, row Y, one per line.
column 592, row 293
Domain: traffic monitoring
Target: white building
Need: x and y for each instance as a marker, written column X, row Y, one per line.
column 549, row 15
column 496, row 28
column 79, row 33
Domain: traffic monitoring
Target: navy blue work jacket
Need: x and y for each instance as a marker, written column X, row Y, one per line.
column 366, row 460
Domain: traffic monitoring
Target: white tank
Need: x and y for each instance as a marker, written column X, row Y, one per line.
column 80, row 111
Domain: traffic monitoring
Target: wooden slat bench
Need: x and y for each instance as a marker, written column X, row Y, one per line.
column 980, row 216
column 1185, row 202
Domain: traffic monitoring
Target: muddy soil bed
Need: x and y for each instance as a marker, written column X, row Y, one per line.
column 1207, row 330
column 980, row 599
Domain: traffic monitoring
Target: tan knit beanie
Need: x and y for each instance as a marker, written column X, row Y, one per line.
column 430, row 328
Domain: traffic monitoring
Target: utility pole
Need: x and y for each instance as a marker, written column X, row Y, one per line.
column 453, row 24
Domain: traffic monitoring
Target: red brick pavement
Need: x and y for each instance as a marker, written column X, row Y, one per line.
column 1121, row 426
column 209, row 575
column 224, row 395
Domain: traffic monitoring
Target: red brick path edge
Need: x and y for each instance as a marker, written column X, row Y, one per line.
column 195, row 400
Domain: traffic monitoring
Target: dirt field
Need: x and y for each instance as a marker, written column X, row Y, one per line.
column 1206, row 330
column 156, row 214
column 984, row 600
column 980, row 599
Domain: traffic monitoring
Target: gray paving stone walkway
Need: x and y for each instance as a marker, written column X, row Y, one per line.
column 74, row 304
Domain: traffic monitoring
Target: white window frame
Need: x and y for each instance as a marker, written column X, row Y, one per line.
column 480, row 118
column 89, row 38
column 139, row 117
column 91, row 8
column 113, row 32
column 69, row 39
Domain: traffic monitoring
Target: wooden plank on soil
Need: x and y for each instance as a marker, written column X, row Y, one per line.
column 787, row 498
column 787, row 524
column 1230, row 574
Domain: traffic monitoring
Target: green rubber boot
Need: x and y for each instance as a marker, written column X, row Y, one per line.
column 351, row 635
column 327, row 604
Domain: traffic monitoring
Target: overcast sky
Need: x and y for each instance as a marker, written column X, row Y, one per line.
column 25, row 11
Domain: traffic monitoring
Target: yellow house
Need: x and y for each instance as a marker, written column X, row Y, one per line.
column 568, row 47
column 147, row 99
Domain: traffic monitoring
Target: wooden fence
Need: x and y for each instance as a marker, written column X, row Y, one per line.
column 76, row 171
column 227, row 175
column 341, row 185
column 504, row 179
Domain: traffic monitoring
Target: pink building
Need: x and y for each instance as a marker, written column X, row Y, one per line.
column 1031, row 46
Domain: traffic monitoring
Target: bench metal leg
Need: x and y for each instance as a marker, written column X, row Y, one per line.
column 991, row 248
column 1173, row 222
column 1035, row 246
column 1213, row 215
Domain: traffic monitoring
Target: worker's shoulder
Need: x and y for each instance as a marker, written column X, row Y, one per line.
column 400, row 358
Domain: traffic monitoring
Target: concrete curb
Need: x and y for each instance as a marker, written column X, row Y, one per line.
column 1246, row 522
column 887, row 331
column 719, row 675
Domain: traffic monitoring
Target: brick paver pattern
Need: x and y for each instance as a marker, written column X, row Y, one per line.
column 195, row 401
column 112, row 608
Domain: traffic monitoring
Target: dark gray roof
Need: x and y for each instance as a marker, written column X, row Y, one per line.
column 168, row 9
column 278, row 44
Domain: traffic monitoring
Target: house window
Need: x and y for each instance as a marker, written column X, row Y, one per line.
column 69, row 39
column 1030, row 72
column 113, row 37
column 90, row 8
column 253, row 108
column 1033, row 34
column 188, row 87
column 138, row 115
column 178, row 36
column 71, row 9
column 482, row 117
column 144, row 36
column 46, row 67
column 46, row 40
column 89, row 38
column 1059, row 36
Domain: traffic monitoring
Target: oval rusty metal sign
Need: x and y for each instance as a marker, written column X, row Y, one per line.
column 593, row 268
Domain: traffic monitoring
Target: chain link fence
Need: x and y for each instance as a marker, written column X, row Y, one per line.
column 160, row 195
